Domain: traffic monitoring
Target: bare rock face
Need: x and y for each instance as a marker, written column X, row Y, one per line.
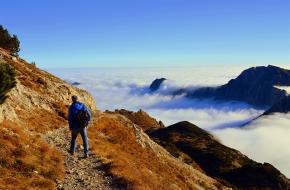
column 37, row 89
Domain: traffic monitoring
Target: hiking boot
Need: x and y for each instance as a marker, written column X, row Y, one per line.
column 86, row 156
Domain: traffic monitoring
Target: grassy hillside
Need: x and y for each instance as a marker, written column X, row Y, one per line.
column 27, row 162
column 139, row 163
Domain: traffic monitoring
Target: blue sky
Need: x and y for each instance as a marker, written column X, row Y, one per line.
column 106, row 33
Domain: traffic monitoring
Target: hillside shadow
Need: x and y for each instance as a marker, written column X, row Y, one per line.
column 118, row 183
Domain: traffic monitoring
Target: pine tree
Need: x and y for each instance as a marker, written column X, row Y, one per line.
column 7, row 80
column 8, row 42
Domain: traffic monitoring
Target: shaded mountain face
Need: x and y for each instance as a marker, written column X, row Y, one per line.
column 282, row 106
column 156, row 84
column 254, row 86
column 218, row 161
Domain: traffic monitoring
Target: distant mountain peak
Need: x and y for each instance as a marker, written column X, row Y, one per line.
column 156, row 84
column 255, row 86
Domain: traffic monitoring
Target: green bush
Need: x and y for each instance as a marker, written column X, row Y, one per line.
column 8, row 42
column 7, row 80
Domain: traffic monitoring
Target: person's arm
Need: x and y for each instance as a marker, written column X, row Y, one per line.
column 70, row 117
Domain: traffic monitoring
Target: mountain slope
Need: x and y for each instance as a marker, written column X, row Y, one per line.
column 223, row 163
column 254, row 86
column 40, row 92
column 37, row 106
column 282, row 106
column 139, row 162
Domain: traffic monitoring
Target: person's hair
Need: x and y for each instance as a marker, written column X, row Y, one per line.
column 74, row 98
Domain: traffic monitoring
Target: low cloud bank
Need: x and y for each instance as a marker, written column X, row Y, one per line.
column 265, row 140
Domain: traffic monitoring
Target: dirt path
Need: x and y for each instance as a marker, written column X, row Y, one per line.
column 79, row 173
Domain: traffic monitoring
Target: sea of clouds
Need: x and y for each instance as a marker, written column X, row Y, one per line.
column 264, row 140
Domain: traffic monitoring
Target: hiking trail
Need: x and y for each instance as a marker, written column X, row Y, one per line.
column 79, row 173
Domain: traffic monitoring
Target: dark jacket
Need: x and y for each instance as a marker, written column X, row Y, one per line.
column 73, row 110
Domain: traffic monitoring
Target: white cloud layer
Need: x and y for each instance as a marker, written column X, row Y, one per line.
column 265, row 140
column 115, row 88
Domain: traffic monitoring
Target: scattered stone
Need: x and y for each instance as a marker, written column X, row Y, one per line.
column 80, row 173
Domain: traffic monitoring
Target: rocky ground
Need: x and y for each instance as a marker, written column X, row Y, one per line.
column 80, row 173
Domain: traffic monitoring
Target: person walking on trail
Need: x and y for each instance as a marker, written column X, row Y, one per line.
column 78, row 118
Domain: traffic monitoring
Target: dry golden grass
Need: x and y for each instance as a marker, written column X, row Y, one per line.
column 26, row 162
column 133, row 166
column 41, row 120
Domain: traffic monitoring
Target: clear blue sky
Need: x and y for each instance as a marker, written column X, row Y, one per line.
column 101, row 33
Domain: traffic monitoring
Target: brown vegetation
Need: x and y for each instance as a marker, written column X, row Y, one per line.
column 37, row 104
column 218, row 161
column 40, row 120
column 38, row 89
column 140, row 118
column 26, row 162
column 138, row 163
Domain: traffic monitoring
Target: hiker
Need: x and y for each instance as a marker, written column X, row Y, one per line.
column 78, row 118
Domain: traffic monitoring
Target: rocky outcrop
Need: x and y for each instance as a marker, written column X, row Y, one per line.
column 38, row 90
column 156, row 84
column 140, row 118
column 218, row 161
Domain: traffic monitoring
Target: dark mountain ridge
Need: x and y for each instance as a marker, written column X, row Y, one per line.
column 254, row 86
column 223, row 163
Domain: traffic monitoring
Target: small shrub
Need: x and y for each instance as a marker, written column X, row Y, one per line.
column 3, row 163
